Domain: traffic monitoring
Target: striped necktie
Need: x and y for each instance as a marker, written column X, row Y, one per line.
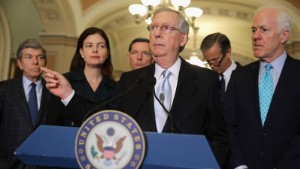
column 164, row 92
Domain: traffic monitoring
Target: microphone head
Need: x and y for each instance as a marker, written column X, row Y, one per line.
column 162, row 97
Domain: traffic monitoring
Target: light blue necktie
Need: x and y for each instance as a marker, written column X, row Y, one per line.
column 164, row 93
column 32, row 102
column 265, row 92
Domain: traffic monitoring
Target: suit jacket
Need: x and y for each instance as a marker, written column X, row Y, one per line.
column 15, row 120
column 78, row 81
column 196, row 107
column 277, row 143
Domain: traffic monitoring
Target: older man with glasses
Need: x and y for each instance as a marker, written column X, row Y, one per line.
column 170, row 95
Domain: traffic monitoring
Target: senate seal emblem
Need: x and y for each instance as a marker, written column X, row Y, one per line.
column 110, row 139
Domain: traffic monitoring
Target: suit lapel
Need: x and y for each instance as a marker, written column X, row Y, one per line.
column 286, row 77
column 184, row 91
column 254, row 96
column 144, row 102
column 23, row 105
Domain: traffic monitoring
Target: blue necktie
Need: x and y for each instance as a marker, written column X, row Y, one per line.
column 265, row 92
column 164, row 92
column 33, row 106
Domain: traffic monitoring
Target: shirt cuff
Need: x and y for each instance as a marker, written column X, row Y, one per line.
column 241, row 167
column 68, row 99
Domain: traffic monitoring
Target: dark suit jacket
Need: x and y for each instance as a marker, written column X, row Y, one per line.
column 78, row 81
column 277, row 143
column 196, row 107
column 15, row 120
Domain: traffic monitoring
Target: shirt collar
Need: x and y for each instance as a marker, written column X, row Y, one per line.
column 229, row 70
column 277, row 64
column 174, row 69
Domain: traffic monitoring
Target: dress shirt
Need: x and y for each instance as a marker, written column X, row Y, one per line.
column 228, row 72
column 277, row 66
column 27, row 87
column 161, row 117
column 173, row 79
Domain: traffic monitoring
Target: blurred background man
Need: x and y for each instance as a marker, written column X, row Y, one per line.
column 216, row 50
column 22, row 102
column 139, row 54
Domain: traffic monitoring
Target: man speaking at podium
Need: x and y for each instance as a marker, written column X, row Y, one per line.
column 169, row 95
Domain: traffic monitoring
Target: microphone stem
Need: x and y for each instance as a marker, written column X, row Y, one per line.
column 166, row 110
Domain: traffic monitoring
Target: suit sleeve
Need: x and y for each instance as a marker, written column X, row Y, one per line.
column 291, row 157
column 231, row 115
column 217, row 132
column 78, row 110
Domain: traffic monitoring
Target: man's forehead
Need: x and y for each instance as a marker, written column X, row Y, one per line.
column 158, row 19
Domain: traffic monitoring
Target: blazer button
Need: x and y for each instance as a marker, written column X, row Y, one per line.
column 264, row 134
column 261, row 154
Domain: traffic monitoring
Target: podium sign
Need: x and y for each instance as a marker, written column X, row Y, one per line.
column 54, row 146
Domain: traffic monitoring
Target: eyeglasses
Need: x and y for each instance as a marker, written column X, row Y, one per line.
column 136, row 53
column 216, row 61
column 166, row 29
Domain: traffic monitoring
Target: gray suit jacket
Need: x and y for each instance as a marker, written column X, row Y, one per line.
column 15, row 120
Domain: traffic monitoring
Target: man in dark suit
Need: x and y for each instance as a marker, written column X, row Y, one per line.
column 216, row 50
column 265, row 133
column 139, row 54
column 16, row 120
column 193, row 91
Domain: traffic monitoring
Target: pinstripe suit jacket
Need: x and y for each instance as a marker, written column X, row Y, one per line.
column 15, row 119
column 196, row 107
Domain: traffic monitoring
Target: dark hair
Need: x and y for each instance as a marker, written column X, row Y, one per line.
column 31, row 43
column 78, row 62
column 219, row 38
column 137, row 40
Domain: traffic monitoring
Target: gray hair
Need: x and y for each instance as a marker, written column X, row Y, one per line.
column 30, row 43
column 284, row 20
column 183, row 24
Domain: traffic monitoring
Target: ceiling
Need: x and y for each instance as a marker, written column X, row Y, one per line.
column 231, row 17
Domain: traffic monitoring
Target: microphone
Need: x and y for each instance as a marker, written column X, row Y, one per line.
column 160, row 100
column 92, row 111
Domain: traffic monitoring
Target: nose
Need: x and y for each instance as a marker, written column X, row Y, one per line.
column 95, row 49
column 35, row 59
column 157, row 32
column 139, row 56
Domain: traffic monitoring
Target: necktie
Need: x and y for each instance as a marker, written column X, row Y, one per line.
column 32, row 102
column 265, row 92
column 222, row 86
column 164, row 93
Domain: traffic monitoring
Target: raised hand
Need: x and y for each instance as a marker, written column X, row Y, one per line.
column 56, row 83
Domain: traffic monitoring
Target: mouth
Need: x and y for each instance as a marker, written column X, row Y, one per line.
column 158, row 45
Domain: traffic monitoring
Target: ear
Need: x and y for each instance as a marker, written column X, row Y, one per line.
column 81, row 53
column 20, row 64
column 128, row 57
column 184, row 39
column 228, row 53
column 285, row 36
